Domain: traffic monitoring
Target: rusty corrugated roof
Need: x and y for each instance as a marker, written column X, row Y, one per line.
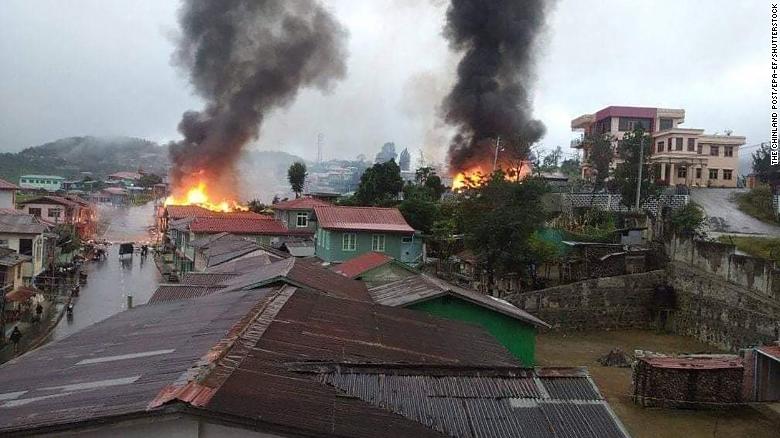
column 174, row 292
column 361, row 264
column 206, row 278
column 300, row 204
column 713, row 362
column 772, row 351
column 362, row 219
column 422, row 287
column 7, row 185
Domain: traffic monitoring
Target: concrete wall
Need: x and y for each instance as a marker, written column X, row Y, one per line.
column 7, row 198
column 611, row 202
column 609, row 302
column 755, row 274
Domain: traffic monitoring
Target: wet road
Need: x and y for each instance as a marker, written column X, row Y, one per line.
column 109, row 282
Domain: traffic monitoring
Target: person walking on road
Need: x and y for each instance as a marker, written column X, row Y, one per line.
column 16, row 336
column 38, row 312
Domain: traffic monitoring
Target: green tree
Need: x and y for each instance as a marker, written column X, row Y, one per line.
column 571, row 167
column 600, row 156
column 627, row 171
column 379, row 184
column 149, row 179
column 498, row 218
column 420, row 212
column 762, row 166
column 296, row 175
column 551, row 160
column 688, row 220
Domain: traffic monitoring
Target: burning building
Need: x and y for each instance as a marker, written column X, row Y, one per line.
column 245, row 58
column 491, row 98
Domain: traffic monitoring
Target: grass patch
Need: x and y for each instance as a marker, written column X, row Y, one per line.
column 762, row 247
column 757, row 203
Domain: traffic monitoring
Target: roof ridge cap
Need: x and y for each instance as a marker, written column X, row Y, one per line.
column 191, row 387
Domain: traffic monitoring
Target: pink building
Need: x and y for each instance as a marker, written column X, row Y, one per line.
column 681, row 156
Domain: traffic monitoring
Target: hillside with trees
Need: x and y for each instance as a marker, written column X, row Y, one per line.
column 101, row 156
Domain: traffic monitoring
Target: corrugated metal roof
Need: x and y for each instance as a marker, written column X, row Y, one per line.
column 301, row 273
column 476, row 402
column 101, row 371
column 239, row 225
column 174, row 292
column 244, row 264
column 206, row 278
column 422, row 287
column 58, row 200
column 300, row 204
column 6, row 185
column 181, row 211
column 695, row 362
column 362, row 219
column 21, row 224
column 361, row 264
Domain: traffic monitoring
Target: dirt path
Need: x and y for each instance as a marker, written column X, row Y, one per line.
column 584, row 348
column 724, row 216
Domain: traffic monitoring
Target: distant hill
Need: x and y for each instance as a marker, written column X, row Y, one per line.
column 100, row 155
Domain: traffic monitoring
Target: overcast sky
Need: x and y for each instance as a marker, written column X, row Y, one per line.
column 100, row 67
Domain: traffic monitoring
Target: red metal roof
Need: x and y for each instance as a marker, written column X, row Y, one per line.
column 239, row 225
column 182, row 211
column 362, row 219
column 695, row 362
column 59, row 200
column 771, row 350
column 5, row 185
column 300, row 204
column 363, row 263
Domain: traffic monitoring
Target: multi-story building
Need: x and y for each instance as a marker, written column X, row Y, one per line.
column 49, row 183
column 681, row 156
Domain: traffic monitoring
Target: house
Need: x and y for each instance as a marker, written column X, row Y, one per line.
column 67, row 210
column 11, row 270
column 126, row 179
column 50, row 183
column 680, row 156
column 7, row 194
column 284, row 362
column 26, row 235
column 246, row 227
column 346, row 232
column 298, row 213
column 374, row 268
column 514, row 328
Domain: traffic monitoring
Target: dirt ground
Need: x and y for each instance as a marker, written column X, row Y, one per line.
column 584, row 348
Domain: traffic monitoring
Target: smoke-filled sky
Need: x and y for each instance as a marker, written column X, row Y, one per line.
column 96, row 67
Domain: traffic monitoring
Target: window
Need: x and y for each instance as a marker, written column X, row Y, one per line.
column 34, row 211
column 728, row 151
column 302, row 220
column 699, row 148
column 666, row 123
column 406, row 239
column 691, row 144
column 678, row 143
column 629, row 124
column 25, row 247
column 349, row 242
column 727, row 174
column 3, row 244
column 698, row 173
column 713, row 173
column 378, row 242
column 714, row 150
column 669, row 143
column 55, row 212
column 660, row 146
column 682, row 172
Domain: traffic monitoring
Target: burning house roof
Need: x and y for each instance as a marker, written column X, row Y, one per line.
column 301, row 204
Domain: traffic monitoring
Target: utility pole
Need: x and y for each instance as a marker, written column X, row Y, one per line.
column 495, row 159
column 641, row 164
column 320, row 140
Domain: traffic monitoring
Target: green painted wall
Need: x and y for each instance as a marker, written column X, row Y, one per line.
column 329, row 246
column 518, row 337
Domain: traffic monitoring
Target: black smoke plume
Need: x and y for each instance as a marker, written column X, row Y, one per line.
column 246, row 58
column 491, row 96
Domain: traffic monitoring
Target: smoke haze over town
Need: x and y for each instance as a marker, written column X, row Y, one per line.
column 104, row 68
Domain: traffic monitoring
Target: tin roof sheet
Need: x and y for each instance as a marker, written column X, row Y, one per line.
column 695, row 362
column 771, row 350
column 21, row 224
column 300, row 204
column 422, row 287
column 6, row 185
column 361, row 264
column 362, row 219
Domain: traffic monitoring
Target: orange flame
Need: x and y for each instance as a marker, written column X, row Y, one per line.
column 467, row 179
column 197, row 195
